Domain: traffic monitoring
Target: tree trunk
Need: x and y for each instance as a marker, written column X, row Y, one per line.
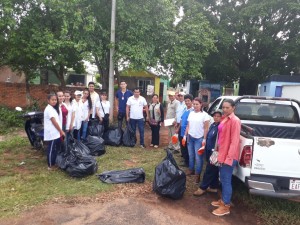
column 61, row 77
column 44, row 76
column 27, row 87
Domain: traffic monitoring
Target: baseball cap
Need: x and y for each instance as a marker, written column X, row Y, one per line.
column 181, row 93
column 217, row 111
column 78, row 92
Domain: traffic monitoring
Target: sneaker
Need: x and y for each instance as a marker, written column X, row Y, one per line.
column 151, row 145
column 199, row 192
column 217, row 203
column 222, row 210
column 143, row 146
column 212, row 190
column 155, row 146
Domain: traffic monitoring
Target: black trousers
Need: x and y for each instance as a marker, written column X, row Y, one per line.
column 211, row 174
column 121, row 116
column 184, row 150
column 155, row 134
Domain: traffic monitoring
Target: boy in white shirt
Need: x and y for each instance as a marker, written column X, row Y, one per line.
column 134, row 113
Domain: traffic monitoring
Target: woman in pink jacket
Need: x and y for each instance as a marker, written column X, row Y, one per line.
column 228, row 148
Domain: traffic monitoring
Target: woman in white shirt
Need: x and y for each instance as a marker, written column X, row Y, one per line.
column 87, row 110
column 53, row 132
column 68, row 104
column 196, row 131
column 102, row 110
column 77, row 115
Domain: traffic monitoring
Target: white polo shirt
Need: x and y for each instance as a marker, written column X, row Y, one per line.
column 196, row 123
column 50, row 132
column 136, row 107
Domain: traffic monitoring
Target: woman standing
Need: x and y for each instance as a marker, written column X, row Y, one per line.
column 210, row 180
column 68, row 105
column 228, row 148
column 77, row 113
column 196, row 131
column 52, row 130
column 156, row 112
column 102, row 109
column 63, row 111
column 87, row 110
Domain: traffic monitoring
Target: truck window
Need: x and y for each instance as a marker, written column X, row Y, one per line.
column 215, row 105
column 267, row 112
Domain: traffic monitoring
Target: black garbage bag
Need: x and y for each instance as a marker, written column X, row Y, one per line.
column 81, row 167
column 169, row 180
column 129, row 138
column 135, row 175
column 113, row 136
column 95, row 145
column 76, row 160
column 95, row 129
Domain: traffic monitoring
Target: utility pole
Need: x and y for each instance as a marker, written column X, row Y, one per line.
column 111, row 63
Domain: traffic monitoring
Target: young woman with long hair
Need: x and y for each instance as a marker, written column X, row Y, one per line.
column 87, row 110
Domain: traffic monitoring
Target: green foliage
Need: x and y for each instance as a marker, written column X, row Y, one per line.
column 9, row 120
column 255, row 38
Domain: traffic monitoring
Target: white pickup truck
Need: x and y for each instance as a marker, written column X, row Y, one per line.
column 269, row 162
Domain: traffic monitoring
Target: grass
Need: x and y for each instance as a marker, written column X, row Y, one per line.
column 26, row 182
column 271, row 211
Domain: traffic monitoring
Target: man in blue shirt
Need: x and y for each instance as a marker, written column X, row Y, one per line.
column 121, row 98
column 188, row 99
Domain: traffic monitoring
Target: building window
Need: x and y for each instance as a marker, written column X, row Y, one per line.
column 142, row 85
column 265, row 88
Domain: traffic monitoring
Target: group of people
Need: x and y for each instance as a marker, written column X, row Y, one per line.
column 196, row 132
column 65, row 116
column 189, row 122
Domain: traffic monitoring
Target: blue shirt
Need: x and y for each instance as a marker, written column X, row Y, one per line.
column 184, row 121
column 122, row 98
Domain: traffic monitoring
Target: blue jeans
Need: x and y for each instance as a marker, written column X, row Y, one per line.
column 140, row 123
column 225, row 177
column 84, row 127
column 193, row 145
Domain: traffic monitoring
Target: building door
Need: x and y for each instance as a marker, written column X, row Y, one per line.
column 278, row 91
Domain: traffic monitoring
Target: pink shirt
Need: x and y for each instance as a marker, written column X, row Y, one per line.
column 229, row 140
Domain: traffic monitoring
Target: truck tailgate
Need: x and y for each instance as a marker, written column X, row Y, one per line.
column 276, row 157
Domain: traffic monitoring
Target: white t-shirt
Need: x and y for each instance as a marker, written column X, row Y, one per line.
column 50, row 132
column 95, row 98
column 106, row 107
column 77, row 107
column 136, row 107
column 69, row 116
column 85, row 110
column 196, row 123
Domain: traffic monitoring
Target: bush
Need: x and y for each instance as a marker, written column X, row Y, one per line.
column 9, row 119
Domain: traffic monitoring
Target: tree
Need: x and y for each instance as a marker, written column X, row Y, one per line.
column 255, row 38
column 41, row 38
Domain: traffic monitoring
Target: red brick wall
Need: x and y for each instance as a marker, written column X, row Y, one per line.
column 14, row 94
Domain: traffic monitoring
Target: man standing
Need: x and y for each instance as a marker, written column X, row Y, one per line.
column 121, row 98
column 171, row 114
column 180, row 110
column 188, row 99
column 94, row 97
column 134, row 113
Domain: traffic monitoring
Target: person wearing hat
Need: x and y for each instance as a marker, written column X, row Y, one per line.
column 210, row 181
column 77, row 115
column 171, row 114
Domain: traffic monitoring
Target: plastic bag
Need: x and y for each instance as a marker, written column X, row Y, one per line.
column 113, row 136
column 95, row 129
column 95, row 145
column 76, row 160
column 169, row 180
column 129, row 138
column 135, row 175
